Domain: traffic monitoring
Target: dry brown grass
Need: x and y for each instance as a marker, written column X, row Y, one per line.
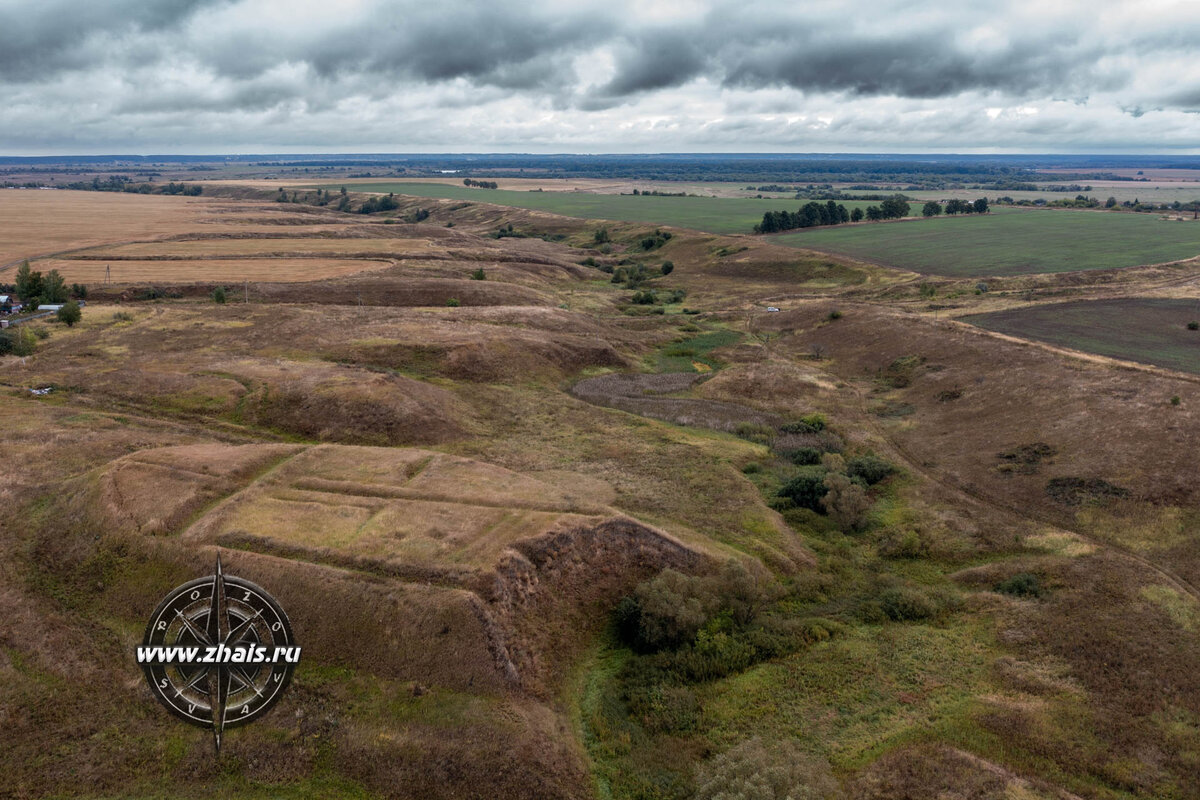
column 228, row 247
column 208, row 270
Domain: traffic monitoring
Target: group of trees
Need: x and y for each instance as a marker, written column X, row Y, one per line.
column 376, row 204
column 814, row 214
column 36, row 289
column 810, row 215
column 933, row 208
column 894, row 207
column 480, row 184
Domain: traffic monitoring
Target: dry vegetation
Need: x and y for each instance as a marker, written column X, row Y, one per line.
column 451, row 499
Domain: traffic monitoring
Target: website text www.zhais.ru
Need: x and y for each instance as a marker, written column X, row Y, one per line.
column 217, row 654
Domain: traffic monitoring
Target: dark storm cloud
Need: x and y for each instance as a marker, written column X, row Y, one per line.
column 656, row 62
column 925, row 65
column 348, row 66
column 37, row 39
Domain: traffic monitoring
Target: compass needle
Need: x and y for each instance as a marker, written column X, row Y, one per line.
column 218, row 633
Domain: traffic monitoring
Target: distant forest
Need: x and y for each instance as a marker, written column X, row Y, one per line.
column 932, row 171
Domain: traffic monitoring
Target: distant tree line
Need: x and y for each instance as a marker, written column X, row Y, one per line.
column 658, row 193
column 124, row 183
column 953, row 207
column 810, row 215
column 480, row 184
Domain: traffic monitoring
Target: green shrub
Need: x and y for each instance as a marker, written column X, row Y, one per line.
column 753, row 468
column 805, row 456
column 870, row 469
column 671, row 609
column 904, row 603
column 70, row 313
column 1023, row 584
column 755, row 432
column 806, row 490
column 835, row 315
column 453, row 302
column 17, row 341
column 1193, row 326
column 218, row 295
column 479, row 275
column 667, row 267
column 1074, row 490
column 122, row 316
column 1175, row 400
column 754, row 771
column 900, row 373
column 809, row 423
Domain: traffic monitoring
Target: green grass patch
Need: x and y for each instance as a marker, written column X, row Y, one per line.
column 1010, row 242
column 712, row 214
column 683, row 356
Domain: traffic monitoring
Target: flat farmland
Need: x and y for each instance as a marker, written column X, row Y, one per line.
column 712, row 214
column 182, row 270
column 41, row 222
column 1011, row 242
column 204, row 248
column 1148, row 330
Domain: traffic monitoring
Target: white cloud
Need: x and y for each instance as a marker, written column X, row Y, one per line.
column 373, row 75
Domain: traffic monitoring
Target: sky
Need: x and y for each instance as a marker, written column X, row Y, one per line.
column 345, row 76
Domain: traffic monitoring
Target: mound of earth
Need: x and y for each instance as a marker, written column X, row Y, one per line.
column 504, row 555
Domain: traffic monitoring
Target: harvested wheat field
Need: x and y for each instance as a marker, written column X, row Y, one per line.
column 40, row 223
column 233, row 247
column 179, row 270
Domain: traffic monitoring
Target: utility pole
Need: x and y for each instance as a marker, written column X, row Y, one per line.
column 246, row 290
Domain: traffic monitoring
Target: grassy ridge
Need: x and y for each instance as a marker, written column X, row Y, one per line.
column 1153, row 331
column 1011, row 242
column 712, row 214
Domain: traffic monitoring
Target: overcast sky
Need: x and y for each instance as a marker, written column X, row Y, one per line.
column 221, row 76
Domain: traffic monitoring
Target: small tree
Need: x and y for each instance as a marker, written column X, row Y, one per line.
column 70, row 313
column 856, row 215
column 29, row 283
column 668, row 267
column 478, row 275
column 218, row 295
column 54, row 288
column 845, row 502
column 932, row 209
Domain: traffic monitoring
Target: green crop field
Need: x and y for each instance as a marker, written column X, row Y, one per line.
column 1011, row 242
column 1150, row 330
column 712, row 214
